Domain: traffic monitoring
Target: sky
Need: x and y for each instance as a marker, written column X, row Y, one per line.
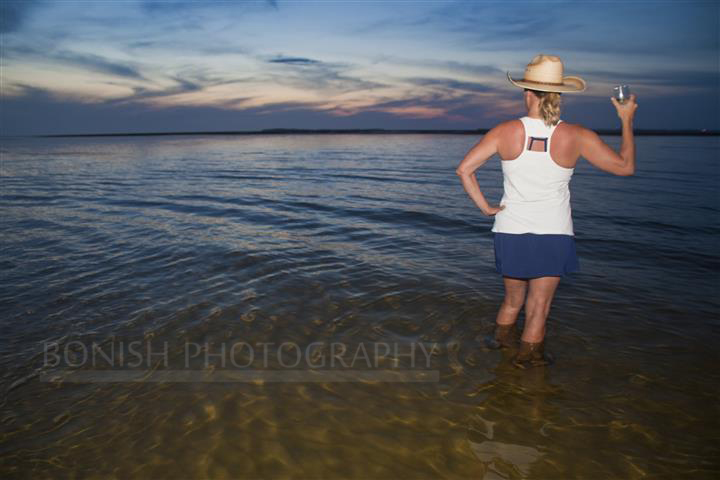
column 131, row 66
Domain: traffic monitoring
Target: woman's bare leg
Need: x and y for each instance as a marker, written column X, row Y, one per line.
column 515, row 289
column 537, row 307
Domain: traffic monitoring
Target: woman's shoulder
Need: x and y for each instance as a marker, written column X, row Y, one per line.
column 509, row 128
column 571, row 127
column 568, row 132
column 568, row 139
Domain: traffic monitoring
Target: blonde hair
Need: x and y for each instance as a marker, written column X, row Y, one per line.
column 549, row 107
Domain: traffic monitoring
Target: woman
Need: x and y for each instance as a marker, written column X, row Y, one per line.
column 533, row 231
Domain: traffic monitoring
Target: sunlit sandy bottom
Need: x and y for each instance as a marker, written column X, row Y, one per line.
column 586, row 416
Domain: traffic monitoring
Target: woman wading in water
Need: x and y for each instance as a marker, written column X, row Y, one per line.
column 533, row 230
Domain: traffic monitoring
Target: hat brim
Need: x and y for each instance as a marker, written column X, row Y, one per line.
column 570, row 84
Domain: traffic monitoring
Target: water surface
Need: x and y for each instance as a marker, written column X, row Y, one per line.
column 353, row 239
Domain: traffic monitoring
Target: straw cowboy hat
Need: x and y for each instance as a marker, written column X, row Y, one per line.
column 545, row 73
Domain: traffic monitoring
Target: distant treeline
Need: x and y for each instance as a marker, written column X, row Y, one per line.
column 376, row 131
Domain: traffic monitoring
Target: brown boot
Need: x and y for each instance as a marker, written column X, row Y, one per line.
column 531, row 355
column 505, row 336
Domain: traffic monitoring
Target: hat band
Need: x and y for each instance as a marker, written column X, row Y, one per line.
column 543, row 83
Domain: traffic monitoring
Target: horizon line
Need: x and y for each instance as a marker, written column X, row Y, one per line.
column 271, row 131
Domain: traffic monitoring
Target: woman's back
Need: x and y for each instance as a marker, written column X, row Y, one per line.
column 536, row 187
column 564, row 148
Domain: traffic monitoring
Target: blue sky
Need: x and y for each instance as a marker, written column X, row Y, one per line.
column 163, row 66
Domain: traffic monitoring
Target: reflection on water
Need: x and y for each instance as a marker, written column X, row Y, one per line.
column 359, row 240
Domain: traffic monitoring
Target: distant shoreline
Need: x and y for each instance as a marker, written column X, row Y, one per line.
column 374, row 131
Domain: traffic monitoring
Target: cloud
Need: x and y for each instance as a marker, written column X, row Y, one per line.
column 466, row 67
column 310, row 74
column 287, row 106
column 658, row 77
column 192, row 80
column 140, row 92
column 457, row 104
column 13, row 13
column 446, row 65
column 478, row 22
column 174, row 44
column 99, row 64
column 451, row 84
column 142, row 44
column 172, row 6
column 294, row 60
column 41, row 112
column 687, row 29
column 87, row 61
column 388, row 25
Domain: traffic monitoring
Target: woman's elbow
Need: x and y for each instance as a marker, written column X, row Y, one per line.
column 626, row 172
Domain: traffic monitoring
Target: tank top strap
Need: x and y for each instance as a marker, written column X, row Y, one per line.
column 526, row 124
column 552, row 129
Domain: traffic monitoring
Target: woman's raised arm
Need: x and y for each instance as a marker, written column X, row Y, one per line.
column 601, row 155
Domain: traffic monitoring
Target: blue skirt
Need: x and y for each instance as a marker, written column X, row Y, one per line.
column 530, row 255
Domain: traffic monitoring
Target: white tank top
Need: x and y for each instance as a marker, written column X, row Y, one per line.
column 536, row 189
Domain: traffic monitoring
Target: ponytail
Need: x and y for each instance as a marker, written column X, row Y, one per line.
column 549, row 107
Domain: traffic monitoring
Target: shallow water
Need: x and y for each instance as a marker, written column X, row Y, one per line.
column 354, row 240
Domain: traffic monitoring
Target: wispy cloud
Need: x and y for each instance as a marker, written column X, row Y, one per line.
column 707, row 79
column 450, row 108
column 182, row 86
column 632, row 28
column 170, row 6
column 436, row 64
column 316, row 75
column 87, row 61
column 191, row 80
column 477, row 22
column 451, row 84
